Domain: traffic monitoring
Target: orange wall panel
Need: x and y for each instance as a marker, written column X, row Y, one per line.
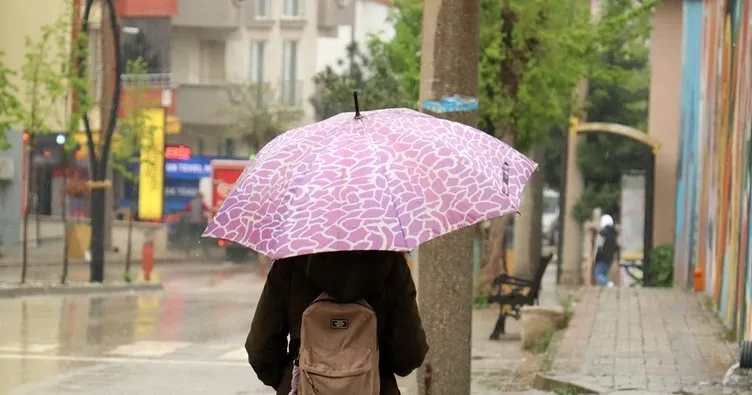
column 147, row 8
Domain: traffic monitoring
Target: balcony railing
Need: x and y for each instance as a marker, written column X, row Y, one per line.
column 162, row 80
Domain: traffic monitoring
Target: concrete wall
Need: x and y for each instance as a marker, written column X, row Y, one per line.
column 713, row 198
column 663, row 117
column 10, row 193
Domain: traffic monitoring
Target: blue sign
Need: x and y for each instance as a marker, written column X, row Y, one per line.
column 451, row 104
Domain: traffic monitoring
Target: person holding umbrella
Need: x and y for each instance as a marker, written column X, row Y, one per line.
column 336, row 204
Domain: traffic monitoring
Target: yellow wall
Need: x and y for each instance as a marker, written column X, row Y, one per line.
column 22, row 19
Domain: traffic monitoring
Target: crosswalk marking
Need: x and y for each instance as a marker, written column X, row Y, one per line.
column 221, row 347
column 239, row 354
column 33, row 348
column 147, row 348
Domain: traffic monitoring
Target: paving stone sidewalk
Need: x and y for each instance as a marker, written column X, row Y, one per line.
column 660, row 340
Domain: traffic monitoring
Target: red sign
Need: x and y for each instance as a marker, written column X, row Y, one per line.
column 177, row 152
column 224, row 175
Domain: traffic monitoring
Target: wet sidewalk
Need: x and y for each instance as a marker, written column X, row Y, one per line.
column 660, row 340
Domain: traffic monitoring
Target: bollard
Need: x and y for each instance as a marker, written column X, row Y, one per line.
column 147, row 259
column 699, row 279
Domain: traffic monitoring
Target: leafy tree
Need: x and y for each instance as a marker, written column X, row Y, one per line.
column 533, row 55
column 9, row 103
column 135, row 136
column 618, row 93
column 371, row 75
column 258, row 114
column 51, row 82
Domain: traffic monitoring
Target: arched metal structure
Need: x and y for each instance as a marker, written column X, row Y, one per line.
column 576, row 128
column 98, row 159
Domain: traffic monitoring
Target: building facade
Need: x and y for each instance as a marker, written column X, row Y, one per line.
column 715, row 169
column 347, row 22
column 233, row 58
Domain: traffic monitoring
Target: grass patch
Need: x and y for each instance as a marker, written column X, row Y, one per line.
column 729, row 335
column 543, row 342
column 480, row 302
column 565, row 391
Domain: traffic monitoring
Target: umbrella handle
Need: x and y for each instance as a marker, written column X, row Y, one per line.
column 357, row 106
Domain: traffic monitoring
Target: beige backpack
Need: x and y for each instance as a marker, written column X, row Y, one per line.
column 339, row 353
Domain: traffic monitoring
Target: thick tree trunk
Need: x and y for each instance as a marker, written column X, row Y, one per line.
column 527, row 226
column 449, row 66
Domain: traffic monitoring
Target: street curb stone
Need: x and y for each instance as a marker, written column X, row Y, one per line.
column 74, row 289
column 549, row 383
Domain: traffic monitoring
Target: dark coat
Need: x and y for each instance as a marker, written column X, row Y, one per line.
column 382, row 278
column 608, row 245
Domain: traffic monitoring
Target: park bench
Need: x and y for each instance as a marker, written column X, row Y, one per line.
column 512, row 293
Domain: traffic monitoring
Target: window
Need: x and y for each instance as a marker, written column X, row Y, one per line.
column 292, row 8
column 257, row 60
column 148, row 39
column 229, row 147
column 212, row 62
column 261, row 9
column 290, row 73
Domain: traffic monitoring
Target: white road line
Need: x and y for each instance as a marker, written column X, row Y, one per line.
column 29, row 348
column 148, row 348
column 222, row 347
column 72, row 358
column 239, row 354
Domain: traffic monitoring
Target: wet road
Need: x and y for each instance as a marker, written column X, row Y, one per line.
column 185, row 340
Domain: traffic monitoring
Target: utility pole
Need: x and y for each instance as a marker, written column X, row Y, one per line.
column 449, row 66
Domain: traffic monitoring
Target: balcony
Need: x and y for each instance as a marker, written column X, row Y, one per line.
column 208, row 14
column 216, row 105
column 203, row 104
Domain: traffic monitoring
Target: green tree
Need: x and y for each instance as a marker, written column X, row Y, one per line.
column 9, row 103
column 533, row 55
column 371, row 75
column 258, row 113
column 618, row 93
column 51, row 83
column 135, row 137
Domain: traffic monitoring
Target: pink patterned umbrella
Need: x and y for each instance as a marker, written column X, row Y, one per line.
column 387, row 180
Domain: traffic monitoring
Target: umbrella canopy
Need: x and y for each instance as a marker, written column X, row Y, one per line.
column 383, row 180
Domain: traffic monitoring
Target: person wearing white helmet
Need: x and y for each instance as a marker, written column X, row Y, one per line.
column 607, row 247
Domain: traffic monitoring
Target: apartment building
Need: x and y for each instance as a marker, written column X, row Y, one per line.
column 222, row 47
column 350, row 21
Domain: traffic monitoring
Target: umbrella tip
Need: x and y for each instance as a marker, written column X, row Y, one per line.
column 357, row 106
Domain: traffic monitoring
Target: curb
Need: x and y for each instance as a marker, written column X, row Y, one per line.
column 77, row 289
column 549, row 383
column 134, row 262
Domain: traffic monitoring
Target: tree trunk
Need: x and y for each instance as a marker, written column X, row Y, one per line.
column 527, row 227
column 448, row 66
column 25, row 242
column 128, row 247
column 64, row 216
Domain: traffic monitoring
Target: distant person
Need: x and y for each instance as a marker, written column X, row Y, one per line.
column 606, row 249
column 197, row 213
column 359, row 321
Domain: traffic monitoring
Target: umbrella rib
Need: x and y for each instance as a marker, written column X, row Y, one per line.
column 382, row 167
column 312, row 157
